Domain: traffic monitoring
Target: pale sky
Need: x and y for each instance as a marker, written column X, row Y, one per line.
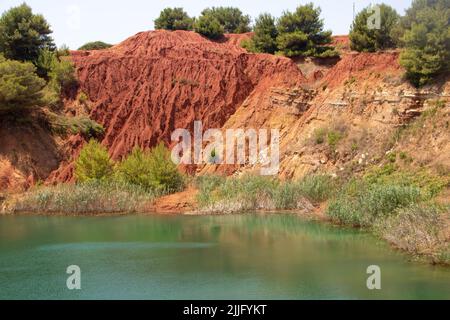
column 75, row 22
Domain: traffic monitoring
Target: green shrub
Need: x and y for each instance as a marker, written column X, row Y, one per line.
column 83, row 98
column 319, row 135
column 62, row 75
column 232, row 20
column 209, row 27
column 265, row 35
column 95, row 45
column 174, row 19
column 293, row 44
column 20, row 87
column 365, row 39
column 85, row 126
column 45, row 62
column 93, row 163
column 164, row 173
column 426, row 40
column 150, row 170
column 23, row 34
column 136, row 169
column 301, row 33
column 63, row 51
column 333, row 138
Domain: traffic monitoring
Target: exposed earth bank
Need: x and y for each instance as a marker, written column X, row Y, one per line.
column 144, row 88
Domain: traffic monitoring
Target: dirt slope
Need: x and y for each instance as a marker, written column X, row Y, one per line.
column 155, row 82
column 363, row 100
column 28, row 151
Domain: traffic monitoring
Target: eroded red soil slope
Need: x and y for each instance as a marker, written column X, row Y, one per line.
column 155, row 82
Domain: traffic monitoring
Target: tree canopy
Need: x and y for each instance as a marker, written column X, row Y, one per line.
column 209, row 27
column 174, row 19
column 95, row 45
column 301, row 33
column 365, row 36
column 426, row 40
column 265, row 35
column 24, row 34
column 20, row 87
column 231, row 19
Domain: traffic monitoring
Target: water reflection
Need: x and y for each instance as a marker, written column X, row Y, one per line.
column 212, row 257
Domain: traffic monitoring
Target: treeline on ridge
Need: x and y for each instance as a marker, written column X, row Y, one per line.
column 422, row 34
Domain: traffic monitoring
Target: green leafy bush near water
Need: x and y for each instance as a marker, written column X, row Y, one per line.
column 151, row 170
column 107, row 187
column 93, row 163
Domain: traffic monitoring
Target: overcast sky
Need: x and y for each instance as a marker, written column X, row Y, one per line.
column 75, row 22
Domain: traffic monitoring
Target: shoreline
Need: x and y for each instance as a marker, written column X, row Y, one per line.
column 185, row 204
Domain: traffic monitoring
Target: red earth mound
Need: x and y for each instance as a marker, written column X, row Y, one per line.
column 363, row 65
column 155, row 82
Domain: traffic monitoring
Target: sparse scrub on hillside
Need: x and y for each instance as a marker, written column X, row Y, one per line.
column 85, row 126
column 82, row 98
column 330, row 135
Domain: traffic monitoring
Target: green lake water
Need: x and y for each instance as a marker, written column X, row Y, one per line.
column 205, row 257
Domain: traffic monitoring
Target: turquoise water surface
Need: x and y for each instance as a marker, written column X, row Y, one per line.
column 205, row 257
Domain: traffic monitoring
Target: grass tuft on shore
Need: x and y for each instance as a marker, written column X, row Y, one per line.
column 90, row 198
column 420, row 229
column 251, row 192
